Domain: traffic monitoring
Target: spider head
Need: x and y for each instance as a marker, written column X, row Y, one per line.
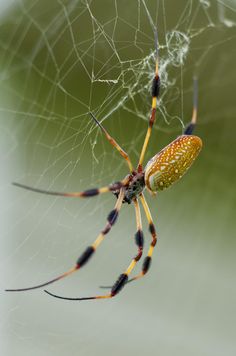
column 134, row 187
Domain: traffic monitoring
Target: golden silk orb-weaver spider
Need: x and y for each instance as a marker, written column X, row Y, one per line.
column 165, row 168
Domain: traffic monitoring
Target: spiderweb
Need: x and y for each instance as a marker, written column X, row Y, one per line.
column 61, row 60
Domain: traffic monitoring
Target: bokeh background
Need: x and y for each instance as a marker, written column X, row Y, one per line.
column 58, row 61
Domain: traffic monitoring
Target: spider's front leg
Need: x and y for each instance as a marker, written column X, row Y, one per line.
column 148, row 259
column 123, row 278
column 84, row 194
column 87, row 254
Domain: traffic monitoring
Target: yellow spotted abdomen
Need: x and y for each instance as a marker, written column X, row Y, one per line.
column 172, row 162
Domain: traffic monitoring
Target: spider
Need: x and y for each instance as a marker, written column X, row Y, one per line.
column 161, row 171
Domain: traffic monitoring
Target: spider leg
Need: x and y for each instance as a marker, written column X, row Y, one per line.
column 85, row 256
column 114, row 143
column 148, row 258
column 190, row 127
column 85, row 194
column 155, row 94
column 138, row 235
column 123, row 278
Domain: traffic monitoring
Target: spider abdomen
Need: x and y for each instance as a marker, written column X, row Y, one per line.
column 172, row 162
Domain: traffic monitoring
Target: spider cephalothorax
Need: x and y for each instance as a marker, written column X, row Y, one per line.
column 161, row 171
column 133, row 188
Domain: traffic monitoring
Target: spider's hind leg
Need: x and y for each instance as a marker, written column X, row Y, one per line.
column 114, row 143
column 191, row 126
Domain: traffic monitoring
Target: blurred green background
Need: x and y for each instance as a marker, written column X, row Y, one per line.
column 58, row 61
